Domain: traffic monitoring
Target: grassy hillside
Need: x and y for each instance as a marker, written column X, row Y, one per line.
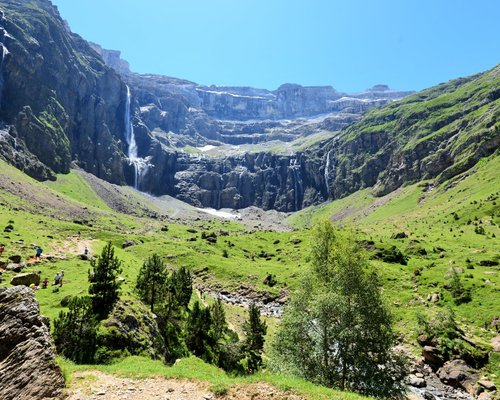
column 76, row 210
column 65, row 216
column 451, row 225
column 437, row 133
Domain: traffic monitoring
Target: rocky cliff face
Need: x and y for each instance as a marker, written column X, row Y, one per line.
column 61, row 101
column 239, row 115
column 27, row 356
column 265, row 180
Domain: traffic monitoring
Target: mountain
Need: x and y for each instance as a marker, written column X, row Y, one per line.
column 435, row 134
column 223, row 147
column 61, row 103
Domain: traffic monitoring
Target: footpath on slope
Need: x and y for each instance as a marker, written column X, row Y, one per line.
column 95, row 385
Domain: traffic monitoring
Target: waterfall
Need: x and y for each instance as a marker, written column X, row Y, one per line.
column 5, row 52
column 139, row 164
column 297, row 182
column 327, row 172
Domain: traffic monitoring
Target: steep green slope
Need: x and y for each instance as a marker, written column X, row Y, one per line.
column 435, row 134
column 451, row 225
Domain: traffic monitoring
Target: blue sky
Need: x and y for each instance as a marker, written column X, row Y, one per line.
column 349, row 44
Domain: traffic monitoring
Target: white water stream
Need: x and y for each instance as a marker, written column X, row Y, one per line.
column 140, row 165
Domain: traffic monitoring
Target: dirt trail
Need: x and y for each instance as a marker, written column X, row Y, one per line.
column 90, row 385
column 73, row 245
column 95, row 385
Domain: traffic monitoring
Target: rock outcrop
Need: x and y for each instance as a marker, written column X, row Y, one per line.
column 27, row 356
column 58, row 97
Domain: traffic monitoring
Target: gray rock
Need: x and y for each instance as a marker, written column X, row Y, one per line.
column 488, row 385
column 432, row 355
column 26, row 279
column 27, row 355
column 495, row 343
column 458, row 374
column 417, row 382
column 128, row 243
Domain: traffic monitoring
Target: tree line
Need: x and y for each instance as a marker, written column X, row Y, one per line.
column 336, row 329
column 187, row 326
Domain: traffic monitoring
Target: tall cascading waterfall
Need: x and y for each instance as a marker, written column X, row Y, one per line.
column 327, row 173
column 4, row 54
column 139, row 164
column 297, row 182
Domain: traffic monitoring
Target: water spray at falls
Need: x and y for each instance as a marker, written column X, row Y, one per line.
column 139, row 164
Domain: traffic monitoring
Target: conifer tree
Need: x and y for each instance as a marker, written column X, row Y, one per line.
column 151, row 281
column 104, row 285
column 75, row 331
column 255, row 329
column 198, row 338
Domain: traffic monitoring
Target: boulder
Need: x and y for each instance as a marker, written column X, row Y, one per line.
column 27, row 355
column 432, row 355
column 495, row 343
column 488, row 385
column 16, row 259
column 26, row 279
column 128, row 243
column 458, row 374
column 399, row 235
column 15, row 267
column 417, row 382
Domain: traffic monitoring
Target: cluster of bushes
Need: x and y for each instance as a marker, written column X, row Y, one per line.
column 186, row 327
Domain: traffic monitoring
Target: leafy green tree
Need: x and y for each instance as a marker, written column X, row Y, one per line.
column 336, row 330
column 198, row 336
column 104, row 285
column 151, row 281
column 75, row 331
column 255, row 329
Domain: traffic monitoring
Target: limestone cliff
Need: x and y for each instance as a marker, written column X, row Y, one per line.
column 58, row 97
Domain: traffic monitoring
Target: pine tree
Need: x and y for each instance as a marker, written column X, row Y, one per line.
column 336, row 330
column 198, row 338
column 104, row 285
column 182, row 284
column 151, row 281
column 75, row 331
column 255, row 329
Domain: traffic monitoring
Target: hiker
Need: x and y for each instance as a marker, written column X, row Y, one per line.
column 39, row 251
column 2, row 248
column 61, row 276
column 86, row 251
column 57, row 278
column 45, row 283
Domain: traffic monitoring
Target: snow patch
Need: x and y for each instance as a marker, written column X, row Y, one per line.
column 219, row 213
column 208, row 147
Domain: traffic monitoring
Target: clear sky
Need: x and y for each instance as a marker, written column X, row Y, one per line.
column 349, row 44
